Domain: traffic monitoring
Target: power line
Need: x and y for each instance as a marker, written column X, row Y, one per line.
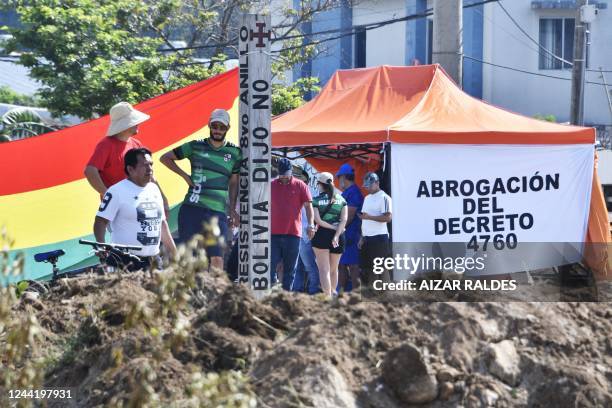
column 345, row 32
column 378, row 24
column 522, row 42
column 370, row 13
column 540, row 46
column 526, row 72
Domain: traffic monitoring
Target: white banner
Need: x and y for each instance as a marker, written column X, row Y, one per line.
column 492, row 197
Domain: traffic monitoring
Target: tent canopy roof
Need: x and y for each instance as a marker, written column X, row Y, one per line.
column 418, row 104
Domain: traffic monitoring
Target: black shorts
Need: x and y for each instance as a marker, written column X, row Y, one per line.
column 323, row 240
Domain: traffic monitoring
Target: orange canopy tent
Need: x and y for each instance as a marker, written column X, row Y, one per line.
column 421, row 104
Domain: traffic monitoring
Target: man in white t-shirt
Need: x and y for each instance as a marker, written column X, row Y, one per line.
column 135, row 210
column 375, row 214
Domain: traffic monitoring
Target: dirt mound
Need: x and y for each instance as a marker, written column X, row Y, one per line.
column 134, row 341
column 237, row 310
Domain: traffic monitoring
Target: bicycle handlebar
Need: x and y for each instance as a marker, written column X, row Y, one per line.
column 107, row 246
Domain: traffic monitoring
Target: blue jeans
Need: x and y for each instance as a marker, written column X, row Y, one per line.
column 287, row 249
column 307, row 267
column 190, row 222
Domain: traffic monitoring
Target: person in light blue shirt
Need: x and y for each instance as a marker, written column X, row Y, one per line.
column 306, row 273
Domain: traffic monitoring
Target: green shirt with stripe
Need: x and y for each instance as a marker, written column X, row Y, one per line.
column 332, row 216
column 211, row 170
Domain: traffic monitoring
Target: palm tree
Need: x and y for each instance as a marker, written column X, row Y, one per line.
column 21, row 123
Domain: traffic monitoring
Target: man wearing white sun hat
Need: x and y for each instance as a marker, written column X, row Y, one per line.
column 105, row 167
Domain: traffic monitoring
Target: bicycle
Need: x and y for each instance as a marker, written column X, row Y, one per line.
column 36, row 286
column 115, row 255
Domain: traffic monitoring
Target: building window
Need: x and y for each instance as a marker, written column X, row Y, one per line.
column 360, row 47
column 557, row 36
column 607, row 190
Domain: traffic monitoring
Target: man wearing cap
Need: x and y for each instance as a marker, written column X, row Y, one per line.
column 105, row 167
column 213, row 183
column 375, row 214
column 349, row 262
column 288, row 195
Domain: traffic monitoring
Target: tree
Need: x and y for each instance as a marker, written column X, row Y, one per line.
column 90, row 54
column 289, row 97
column 7, row 95
column 21, row 123
column 547, row 118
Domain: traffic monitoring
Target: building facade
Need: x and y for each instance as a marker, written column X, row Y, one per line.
column 551, row 24
column 507, row 51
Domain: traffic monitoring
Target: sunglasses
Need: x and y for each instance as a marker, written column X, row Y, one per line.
column 218, row 126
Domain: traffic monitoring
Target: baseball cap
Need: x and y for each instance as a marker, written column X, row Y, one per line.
column 221, row 116
column 284, row 167
column 344, row 170
column 325, row 178
column 370, row 178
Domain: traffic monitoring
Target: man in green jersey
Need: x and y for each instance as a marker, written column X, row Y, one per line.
column 213, row 183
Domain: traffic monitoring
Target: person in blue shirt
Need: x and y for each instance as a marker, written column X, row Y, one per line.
column 349, row 262
column 306, row 271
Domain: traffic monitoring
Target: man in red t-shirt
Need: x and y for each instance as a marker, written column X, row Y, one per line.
column 105, row 167
column 289, row 195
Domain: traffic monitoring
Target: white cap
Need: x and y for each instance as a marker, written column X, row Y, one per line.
column 325, row 178
column 123, row 116
column 221, row 116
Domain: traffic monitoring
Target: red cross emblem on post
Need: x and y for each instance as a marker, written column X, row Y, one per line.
column 260, row 34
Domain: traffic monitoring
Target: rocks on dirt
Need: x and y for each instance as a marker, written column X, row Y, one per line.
column 237, row 309
column 32, row 299
column 327, row 387
column 297, row 377
column 297, row 350
column 446, row 390
column 448, row 374
column 407, row 373
column 504, row 362
column 570, row 391
column 487, row 397
column 459, row 387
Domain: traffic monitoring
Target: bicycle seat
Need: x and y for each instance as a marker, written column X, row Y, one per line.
column 47, row 256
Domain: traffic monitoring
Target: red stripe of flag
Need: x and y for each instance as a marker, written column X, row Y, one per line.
column 60, row 157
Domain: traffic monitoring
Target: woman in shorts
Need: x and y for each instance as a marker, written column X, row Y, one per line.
column 330, row 213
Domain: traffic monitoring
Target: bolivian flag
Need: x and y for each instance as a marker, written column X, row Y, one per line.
column 45, row 201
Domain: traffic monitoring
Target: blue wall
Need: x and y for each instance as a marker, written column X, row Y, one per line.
column 340, row 51
column 9, row 18
column 416, row 33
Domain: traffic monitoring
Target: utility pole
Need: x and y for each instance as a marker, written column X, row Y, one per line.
column 447, row 47
column 580, row 38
